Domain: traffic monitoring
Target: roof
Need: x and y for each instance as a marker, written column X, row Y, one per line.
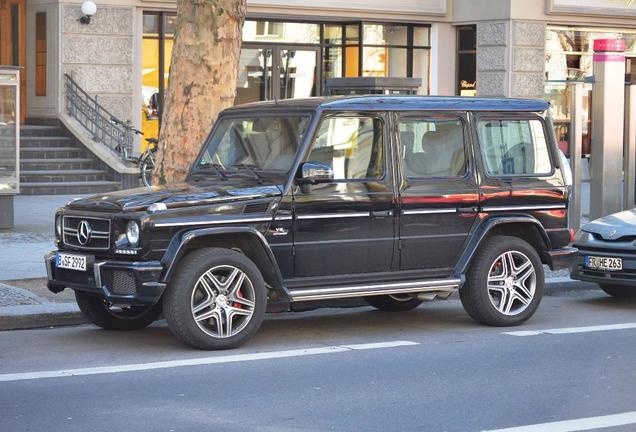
column 396, row 103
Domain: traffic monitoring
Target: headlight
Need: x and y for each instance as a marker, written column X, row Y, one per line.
column 58, row 226
column 132, row 233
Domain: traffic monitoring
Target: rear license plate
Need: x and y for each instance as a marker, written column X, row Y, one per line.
column 603, row 263
column 70, row 262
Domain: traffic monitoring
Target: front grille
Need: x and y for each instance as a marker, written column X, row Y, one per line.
column 123, row 283
column 86, row 232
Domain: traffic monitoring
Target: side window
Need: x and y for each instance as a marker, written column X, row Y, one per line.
column 432, row 147
column 514, row 147
column 353, row 146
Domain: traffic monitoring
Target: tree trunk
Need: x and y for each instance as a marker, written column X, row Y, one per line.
column 203, row 74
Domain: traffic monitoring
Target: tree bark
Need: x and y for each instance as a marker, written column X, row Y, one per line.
column 203, row 74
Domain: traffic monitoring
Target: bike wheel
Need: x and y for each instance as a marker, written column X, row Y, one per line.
column 147, row 166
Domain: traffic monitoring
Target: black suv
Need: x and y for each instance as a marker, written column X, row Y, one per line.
column 394, row 199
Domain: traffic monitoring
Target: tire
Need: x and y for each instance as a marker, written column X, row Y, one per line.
column 619, row 291
column 100, row 314
column 393, row 303
column 492, row 298
column 206, row 286
column 146, row 167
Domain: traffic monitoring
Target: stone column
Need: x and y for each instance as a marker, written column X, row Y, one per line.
column 511, row 58
column 608, row 102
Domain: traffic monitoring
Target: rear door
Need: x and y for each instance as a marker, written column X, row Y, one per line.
column 438, row 194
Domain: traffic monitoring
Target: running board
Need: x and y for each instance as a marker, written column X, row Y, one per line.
column 335, row 292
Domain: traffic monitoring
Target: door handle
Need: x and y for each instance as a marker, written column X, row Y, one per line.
column 470, row 210
column 381, row 213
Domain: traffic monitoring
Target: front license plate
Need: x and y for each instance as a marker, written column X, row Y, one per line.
column 70, row 262
column 603, row 263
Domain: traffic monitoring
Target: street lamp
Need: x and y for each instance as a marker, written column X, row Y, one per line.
column 88, row 10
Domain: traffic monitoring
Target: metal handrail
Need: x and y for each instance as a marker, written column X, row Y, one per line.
column 98, row 120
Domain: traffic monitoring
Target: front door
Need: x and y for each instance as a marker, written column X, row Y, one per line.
column 13, row 42
column 438, row 192
column 273, row 72
column 346, row 226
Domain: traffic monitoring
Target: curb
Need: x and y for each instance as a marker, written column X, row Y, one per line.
column 48, row 314
column 38, row 316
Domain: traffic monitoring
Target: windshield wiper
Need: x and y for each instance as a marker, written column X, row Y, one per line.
column 250, row 168
column 216, row 168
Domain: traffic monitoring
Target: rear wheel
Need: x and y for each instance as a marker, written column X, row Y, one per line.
column 116, row 318
column 619, row 291
column 504, row 285
column 393, row 302
column 216, row 300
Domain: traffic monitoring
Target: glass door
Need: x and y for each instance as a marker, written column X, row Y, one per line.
column 255, row 75
column 298, row 71
column 277, row 72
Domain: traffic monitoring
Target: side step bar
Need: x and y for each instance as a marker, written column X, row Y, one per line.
column 346, row 291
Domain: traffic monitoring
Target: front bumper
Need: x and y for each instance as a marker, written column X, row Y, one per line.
column 625, row 277
column 563, row 258
column 118, row 282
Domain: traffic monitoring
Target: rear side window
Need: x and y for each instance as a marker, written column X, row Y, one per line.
column 432, row 147
column 514, row 147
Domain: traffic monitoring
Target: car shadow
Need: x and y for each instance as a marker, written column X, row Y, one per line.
column 282, row 331
column 610, row 303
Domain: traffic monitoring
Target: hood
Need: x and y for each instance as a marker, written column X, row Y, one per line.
column 176, row 195
column 614, row 226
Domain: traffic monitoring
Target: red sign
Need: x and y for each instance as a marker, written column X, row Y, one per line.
column 611, row 45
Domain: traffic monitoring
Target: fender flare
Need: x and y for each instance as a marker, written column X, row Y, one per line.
column 480, row 232
column 178, row 248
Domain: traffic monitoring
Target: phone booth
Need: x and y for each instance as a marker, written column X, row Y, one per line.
column 9, row 142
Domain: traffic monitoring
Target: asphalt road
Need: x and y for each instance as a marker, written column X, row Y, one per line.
column 431, row 369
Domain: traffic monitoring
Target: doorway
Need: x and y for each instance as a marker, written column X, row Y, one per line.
column 271, row 72
column 13, row 42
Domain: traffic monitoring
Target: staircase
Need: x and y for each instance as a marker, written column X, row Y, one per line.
column 54, row 163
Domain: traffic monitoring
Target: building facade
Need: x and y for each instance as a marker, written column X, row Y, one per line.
column 524, row 48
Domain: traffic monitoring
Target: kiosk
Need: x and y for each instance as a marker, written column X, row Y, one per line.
column 9, row 142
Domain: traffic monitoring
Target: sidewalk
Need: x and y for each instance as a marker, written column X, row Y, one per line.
column 25, row 302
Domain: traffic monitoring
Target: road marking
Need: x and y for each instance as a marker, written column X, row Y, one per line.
column 202, row 361
column 581, row 424
column 570, row 330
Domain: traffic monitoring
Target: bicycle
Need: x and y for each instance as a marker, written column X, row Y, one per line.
column 146, row 160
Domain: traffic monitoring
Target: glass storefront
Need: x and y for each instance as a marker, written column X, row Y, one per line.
column 281, row 59
column 569, row 58
column 158, row 37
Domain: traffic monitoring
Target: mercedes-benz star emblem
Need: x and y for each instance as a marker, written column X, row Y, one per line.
column 84, row 231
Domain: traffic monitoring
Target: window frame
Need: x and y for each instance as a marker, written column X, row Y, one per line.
column 434, row 115
column 381, row 116
column 514, row 116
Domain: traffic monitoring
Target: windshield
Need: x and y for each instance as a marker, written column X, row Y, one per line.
column 267, row 143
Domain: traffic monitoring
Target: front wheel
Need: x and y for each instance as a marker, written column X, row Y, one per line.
column 504, row 285
column 619, row 291
column 116, row 318
column 216, row 300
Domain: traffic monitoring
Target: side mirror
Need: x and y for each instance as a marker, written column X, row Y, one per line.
column 315, row 172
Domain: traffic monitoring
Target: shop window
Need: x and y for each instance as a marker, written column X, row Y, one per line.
column 466, row 61
column 40, row 54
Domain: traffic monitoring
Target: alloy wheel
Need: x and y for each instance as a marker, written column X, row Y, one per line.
column 512, row 283
column 222, row 301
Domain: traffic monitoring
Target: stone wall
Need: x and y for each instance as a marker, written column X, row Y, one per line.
column 511, row 58
column 99, row 56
